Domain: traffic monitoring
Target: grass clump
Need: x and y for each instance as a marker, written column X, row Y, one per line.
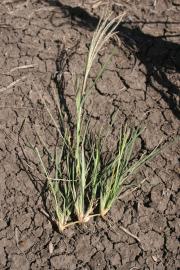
column 84, row 185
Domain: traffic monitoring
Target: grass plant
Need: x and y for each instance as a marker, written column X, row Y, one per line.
column 83, row 185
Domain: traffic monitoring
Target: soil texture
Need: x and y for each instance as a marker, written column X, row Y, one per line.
column 43, row 43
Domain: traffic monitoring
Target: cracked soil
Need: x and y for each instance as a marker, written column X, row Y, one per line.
column 140, row 86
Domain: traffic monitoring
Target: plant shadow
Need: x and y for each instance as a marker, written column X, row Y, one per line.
column 158, row 55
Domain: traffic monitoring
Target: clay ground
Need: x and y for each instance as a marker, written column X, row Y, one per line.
column 141, row 84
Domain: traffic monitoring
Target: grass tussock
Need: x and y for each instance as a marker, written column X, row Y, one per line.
column 84, row 184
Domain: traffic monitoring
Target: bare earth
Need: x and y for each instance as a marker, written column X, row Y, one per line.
column 141, row 84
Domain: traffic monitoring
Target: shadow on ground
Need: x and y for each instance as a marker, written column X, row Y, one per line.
column 157, row 55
